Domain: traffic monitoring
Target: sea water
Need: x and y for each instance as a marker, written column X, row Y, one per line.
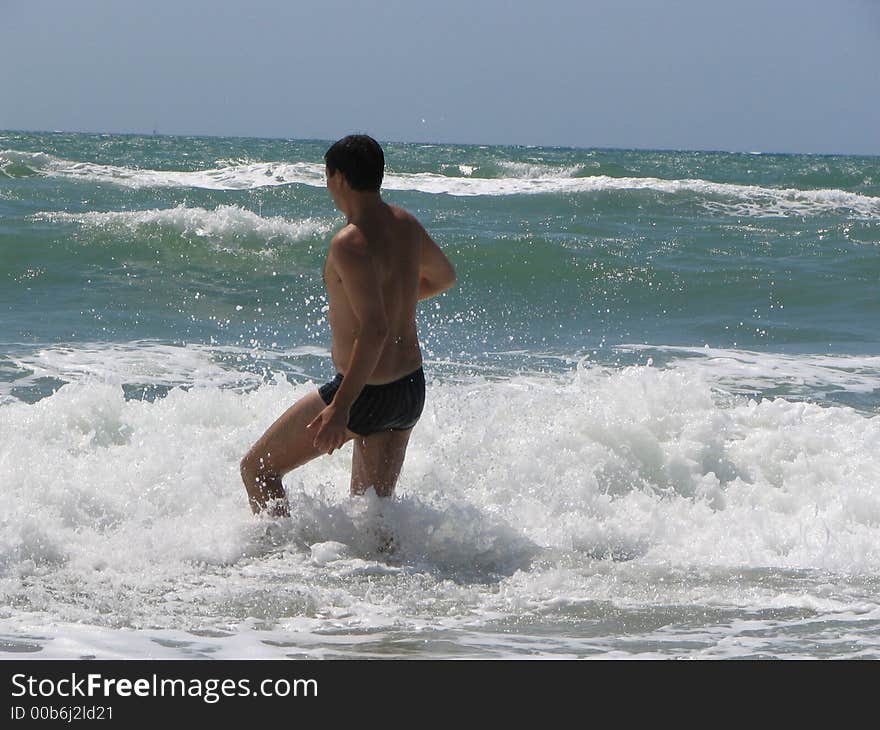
column 651, row 422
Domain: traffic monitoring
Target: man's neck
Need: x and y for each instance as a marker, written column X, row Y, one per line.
column 360, row 206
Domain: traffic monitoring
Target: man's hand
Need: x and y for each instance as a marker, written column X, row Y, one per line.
column 331, row 426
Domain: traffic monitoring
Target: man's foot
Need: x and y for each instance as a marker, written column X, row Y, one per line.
column 387, row 541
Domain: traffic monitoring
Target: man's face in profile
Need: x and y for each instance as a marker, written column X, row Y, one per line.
column 333, row 182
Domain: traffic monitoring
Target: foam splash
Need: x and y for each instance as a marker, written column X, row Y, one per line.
column 539, row 495
column 636, row 452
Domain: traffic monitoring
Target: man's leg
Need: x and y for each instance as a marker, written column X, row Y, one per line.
column 286, row 445
column 376, row 461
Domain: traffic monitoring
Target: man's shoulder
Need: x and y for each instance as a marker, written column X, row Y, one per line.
column 347, row 236
column 408, row 224
column 348, row 247
column 402, row 215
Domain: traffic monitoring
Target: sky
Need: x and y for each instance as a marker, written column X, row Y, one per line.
column 736, row 75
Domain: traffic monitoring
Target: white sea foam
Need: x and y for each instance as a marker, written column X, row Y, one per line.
column 721, row 198
column 145, row 363
column 744, row 370
column 750, row 200
column 223, row 223
column 242, row 176
column 126, row 513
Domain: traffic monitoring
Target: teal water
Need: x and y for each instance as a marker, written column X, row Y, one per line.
column 653, row 393
column 219, row 241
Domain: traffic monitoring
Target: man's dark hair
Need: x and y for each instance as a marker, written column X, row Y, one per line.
column 358, row 157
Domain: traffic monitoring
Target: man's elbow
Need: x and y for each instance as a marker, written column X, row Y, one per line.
column 449, row 280
column 436, row 282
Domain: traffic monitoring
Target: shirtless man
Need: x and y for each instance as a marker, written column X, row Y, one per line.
column 378, row 267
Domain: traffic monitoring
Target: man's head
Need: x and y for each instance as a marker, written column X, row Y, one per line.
column 360, row 160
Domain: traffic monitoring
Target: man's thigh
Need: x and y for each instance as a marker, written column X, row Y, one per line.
column 288, row 443
column 377, row 460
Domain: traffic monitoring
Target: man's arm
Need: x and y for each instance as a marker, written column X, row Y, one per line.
column 349, row 257
column 436, row 273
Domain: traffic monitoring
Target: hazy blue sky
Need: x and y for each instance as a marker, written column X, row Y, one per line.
column 768, row 75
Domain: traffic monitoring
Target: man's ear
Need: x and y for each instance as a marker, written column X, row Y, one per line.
column 342, row 181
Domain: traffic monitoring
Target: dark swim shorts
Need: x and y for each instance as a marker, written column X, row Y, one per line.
column 388, row 407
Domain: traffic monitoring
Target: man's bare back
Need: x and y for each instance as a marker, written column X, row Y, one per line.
column 391, row 240
column 378, row 267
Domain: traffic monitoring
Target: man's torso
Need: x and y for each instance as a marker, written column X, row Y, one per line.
column 394, row 251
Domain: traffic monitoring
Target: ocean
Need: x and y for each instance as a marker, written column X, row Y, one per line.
column 651, row 427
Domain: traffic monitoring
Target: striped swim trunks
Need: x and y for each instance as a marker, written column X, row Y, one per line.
column 392, row 406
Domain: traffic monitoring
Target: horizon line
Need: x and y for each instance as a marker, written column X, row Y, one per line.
column 155, row 133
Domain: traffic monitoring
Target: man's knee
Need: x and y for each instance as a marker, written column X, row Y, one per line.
column 254, row 465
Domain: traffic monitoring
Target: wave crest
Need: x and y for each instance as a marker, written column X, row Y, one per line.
column 14, row 163
column 224, row 222
column 241, row 176
column 527, row 179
